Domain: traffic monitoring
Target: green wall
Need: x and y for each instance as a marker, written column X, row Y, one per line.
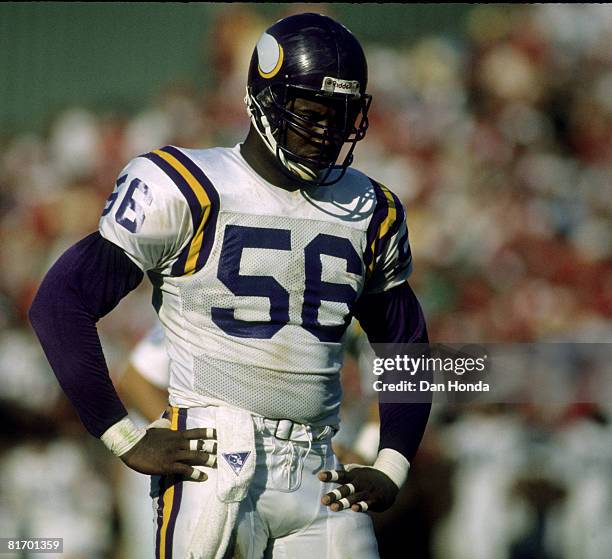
column 118, row 55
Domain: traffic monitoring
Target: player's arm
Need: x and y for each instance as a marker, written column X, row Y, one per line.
column 390, row 314
column 86, row 283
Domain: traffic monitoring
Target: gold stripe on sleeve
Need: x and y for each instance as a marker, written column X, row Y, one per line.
column 203, row 199
column 385, row 225
column 391, row 215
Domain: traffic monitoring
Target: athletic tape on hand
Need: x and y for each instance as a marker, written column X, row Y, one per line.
column 393, row 464
column 389, row 462
column 122, row 436
column 202, row 445
column 208, row 446
column 196, row 475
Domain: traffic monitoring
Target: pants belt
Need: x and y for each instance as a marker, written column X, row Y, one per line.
column 288, row 430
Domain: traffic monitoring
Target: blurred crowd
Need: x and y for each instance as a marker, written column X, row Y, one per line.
column 500, row 146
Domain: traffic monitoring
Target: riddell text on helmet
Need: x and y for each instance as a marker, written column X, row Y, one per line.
column 334, row 85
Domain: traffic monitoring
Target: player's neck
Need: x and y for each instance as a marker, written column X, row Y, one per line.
column 261, row 160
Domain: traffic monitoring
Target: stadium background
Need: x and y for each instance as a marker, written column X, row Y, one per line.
column 492, row 123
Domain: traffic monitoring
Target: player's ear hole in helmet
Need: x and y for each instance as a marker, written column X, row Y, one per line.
column 306, row 96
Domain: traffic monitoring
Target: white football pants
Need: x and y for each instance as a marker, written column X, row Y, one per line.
column 282, row 516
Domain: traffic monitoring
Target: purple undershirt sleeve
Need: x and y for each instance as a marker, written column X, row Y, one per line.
column 395, row 317
column 85, row 284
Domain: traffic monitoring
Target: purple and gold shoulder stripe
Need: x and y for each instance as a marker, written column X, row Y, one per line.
column 386, row 221
column 203, row 201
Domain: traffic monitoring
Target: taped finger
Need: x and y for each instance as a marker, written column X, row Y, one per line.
column 337, row 476
column 208, row 446
column 344, row 503
column 199, row 433
column 337, row 495
column 211, row 461
column 198, row 475
column 363, row 506
column 349, row 502
column 340, row 492
column 203, row 445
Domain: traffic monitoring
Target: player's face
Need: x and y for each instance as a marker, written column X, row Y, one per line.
column 317, row 135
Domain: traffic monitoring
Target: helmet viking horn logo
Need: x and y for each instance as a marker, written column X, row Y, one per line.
column 270, row 55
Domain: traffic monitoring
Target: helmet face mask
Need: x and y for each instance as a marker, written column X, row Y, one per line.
column 307, row 115
column 312, row 128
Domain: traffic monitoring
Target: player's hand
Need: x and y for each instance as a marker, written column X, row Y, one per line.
column 360, row 489
column 163, row 451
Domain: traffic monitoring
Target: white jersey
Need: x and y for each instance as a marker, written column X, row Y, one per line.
column 254, row 284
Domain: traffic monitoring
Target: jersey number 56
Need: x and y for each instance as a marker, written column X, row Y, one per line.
column 238, row 237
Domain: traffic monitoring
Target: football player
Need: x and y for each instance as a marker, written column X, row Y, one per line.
column 258, row 255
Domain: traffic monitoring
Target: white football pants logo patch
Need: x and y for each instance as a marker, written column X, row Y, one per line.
column 236, row 460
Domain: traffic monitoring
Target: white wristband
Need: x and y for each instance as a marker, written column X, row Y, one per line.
column 122, row 436
column 393, row 464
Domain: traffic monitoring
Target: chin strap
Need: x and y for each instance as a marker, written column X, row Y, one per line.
column 304, row 172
